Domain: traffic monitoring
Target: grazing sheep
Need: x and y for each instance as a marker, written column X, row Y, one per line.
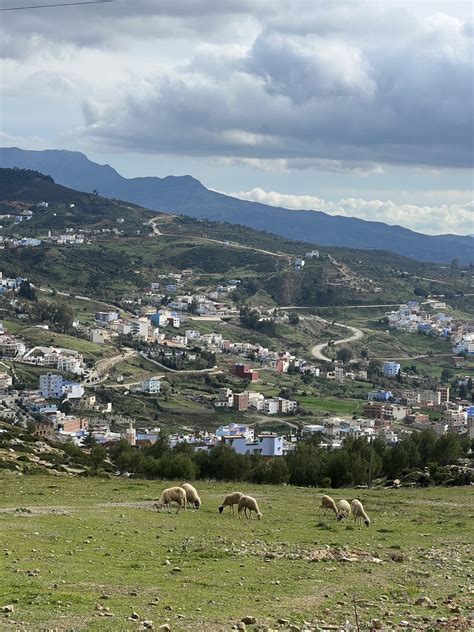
column 192, row 497
column 328, row 503
column 247, row 502
column 343, row 510
column 172, row 495
column 230, row 500
column 359, row 513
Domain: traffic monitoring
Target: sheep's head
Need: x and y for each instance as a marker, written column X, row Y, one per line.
column 367, row 522
column 158, row 505
column 259, row 516
column 197, row 504
column 221, row 509
column 340, row 516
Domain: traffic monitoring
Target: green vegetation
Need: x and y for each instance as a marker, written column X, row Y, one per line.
column 96, row 546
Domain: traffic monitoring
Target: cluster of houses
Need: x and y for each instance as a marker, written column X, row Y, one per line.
column 215, row 303
column 67, row 360
column 413, row 407
column 410, row 317
column 252, row 400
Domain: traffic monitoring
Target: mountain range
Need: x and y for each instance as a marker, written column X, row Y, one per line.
column 187, row 196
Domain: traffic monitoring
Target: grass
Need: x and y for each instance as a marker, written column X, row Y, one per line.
column 91, row 544
column 328, row 405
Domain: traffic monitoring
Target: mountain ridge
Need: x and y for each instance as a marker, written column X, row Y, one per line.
column 188, row 196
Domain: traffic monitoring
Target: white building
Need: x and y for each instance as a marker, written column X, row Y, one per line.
column 390, row 369
column 151, row 386
column 51, row 385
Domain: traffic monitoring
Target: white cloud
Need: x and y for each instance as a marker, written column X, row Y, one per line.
column 456, row 218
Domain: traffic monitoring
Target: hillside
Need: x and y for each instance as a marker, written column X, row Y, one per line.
column 110, row 265
column 186, row 195
column 22, row 189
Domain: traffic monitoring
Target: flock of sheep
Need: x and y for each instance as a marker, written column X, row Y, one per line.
column 187, row 496
column 343, row 510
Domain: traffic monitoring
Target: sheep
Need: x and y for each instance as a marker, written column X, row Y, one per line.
column 328, row 503
column 359, row 513
column 343, row 510
column 172, row 495
column 192, row 497
column 247, row 502
column 230, row 500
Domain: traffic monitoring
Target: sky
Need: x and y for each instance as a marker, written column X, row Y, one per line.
column 360, row 108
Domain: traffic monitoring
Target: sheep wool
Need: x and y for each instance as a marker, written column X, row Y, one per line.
column 250, row 504
column 230, row 500
column 192, row 497
column 343, row 510
column 172, row 495
column 328, row 503
column 359, row 514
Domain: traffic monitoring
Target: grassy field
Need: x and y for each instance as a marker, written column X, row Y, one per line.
column 85, row 554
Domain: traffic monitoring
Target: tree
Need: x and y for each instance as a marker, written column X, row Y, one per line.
column 26, row 290
column 344, row 355
column 193, row 306
column 98, row 456
column 293, row 319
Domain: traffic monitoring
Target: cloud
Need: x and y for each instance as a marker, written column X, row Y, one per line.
column 311, row 96
column 277, row 85
column 456, row 218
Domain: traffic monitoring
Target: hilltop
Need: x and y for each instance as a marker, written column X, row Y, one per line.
column 187, row 196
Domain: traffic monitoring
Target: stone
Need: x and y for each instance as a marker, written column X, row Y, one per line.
column 423, row 601
column 376, row 624
column 134, row 616
column 148, row 624
column 248, row 620
column 283, row 621
column 165, row 628
column 8, row 608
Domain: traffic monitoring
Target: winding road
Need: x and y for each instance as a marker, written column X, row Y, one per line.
column 317, row 350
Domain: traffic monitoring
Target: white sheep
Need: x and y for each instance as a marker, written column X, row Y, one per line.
column 192, row 497
column 343, row 510
column 247, row 502
column 172, row 495
column 230, row 500
column 328, row 503
column 359, row 513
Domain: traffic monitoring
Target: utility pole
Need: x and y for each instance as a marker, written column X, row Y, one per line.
column 370, row 462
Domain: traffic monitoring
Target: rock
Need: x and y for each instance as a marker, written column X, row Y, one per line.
column 423, row 601
column 134, row 616
column 148, row 624
column 240, row 626
column 8, row 608
column 248, row 620
column 295, row 628
column 165, row 628
column 283, row 621
column 376, row 624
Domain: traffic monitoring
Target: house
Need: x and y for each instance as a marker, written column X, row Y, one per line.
column 379, row 396
column 140, row 328
column 151, row 386
column 235, row 430
column 241, row 401
column 390, row 369
column 268, row 445
column 54, row 386
column 225, row 398
column 97, row 336
column 106, row 317
column 6, row 382
column 245, row 372
column 339, row 374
